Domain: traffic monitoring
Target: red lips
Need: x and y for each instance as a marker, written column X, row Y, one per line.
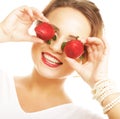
column 44, row 31
column 50, row 60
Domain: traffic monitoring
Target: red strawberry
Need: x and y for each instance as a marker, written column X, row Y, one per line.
column 74, row 48
column 44, row 31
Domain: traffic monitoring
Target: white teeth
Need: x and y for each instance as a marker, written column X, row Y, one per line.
column 51, row 59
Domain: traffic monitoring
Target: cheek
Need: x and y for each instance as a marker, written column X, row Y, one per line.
column 35, row 51
column 35, row 46
column 67, row 69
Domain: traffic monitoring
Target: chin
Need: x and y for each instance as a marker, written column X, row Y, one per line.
column 57, row 77
column 52, row 75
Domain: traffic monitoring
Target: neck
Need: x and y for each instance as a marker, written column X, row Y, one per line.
column 40, row 88
column 44, row 83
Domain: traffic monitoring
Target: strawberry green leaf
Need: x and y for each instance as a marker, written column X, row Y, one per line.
column 48, row 42
column 77, row 37
column 63, row 45
column 54, row 37
column 81, row 57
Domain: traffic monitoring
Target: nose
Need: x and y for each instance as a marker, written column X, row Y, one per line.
column 56, row 45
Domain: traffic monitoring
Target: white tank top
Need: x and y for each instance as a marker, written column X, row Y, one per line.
column 11, row 109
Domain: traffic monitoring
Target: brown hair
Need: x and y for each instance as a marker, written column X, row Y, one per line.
column 88, row 8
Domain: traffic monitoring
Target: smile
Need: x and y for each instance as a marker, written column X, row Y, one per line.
column 50, row 60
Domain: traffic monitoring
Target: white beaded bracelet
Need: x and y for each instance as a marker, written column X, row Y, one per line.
column 103, row 89
column 111, row 105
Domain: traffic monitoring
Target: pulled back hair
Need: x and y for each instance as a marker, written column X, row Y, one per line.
column 86, row 7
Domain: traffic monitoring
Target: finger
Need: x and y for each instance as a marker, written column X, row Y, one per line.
column 94, row 47
column 95, row 40
column 98, row 52
column 76, row 66
column 36, row 39
column 33, row 38
column 29, row 11
column 39, row 15
column 106, row 44
column 90, row 53
column 95, row 52
column 26, row 9
column 34, row 13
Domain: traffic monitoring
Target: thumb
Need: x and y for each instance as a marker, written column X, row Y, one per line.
column 34, row 39
column 75, row 64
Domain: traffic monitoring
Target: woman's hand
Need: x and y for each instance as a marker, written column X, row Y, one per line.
column 95, row 68
column 16, row 25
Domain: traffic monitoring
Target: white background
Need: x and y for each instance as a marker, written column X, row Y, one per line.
column 15, row 57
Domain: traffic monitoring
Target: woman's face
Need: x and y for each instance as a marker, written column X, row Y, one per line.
column 49, row 58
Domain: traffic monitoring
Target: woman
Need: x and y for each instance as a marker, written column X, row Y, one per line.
column 41, row 94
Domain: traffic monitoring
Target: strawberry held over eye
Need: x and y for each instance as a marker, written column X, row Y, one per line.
column 45, row 31
column 74, row 48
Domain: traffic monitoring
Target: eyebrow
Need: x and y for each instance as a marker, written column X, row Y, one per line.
column 74, row 36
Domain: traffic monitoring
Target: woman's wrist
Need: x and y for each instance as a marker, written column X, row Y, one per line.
column 106, row 93
column 110, row 102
